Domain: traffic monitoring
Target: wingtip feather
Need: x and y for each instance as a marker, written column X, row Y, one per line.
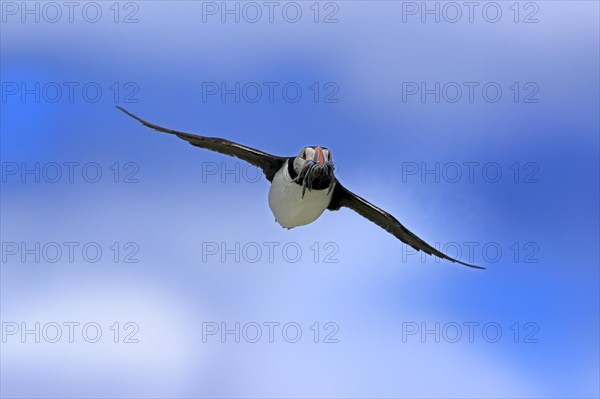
column 469, row 265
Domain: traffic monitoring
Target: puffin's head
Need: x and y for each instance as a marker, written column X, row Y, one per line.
column 314, row 168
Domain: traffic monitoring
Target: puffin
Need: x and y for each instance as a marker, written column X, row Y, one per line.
column 305, row 186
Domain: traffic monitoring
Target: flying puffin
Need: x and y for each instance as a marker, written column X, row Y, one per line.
column 304, row 186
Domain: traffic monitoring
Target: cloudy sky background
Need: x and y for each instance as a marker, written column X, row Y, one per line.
column 544, row 220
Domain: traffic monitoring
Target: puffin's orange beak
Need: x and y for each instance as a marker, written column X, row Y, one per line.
column 319, row 156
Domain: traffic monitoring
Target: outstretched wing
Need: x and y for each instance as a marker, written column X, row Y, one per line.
column 343, row 197
column 270, row 164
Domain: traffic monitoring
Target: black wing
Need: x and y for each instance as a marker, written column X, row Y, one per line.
column 343, row 197
column 270, row 164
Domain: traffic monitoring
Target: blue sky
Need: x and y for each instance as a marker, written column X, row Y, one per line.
column 511, row 175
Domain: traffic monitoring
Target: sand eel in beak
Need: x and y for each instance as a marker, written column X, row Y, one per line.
column 304, row 186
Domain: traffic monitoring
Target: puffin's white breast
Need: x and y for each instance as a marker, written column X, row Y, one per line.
column 287, row 204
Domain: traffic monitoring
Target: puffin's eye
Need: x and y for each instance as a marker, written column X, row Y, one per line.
column 304, row 154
